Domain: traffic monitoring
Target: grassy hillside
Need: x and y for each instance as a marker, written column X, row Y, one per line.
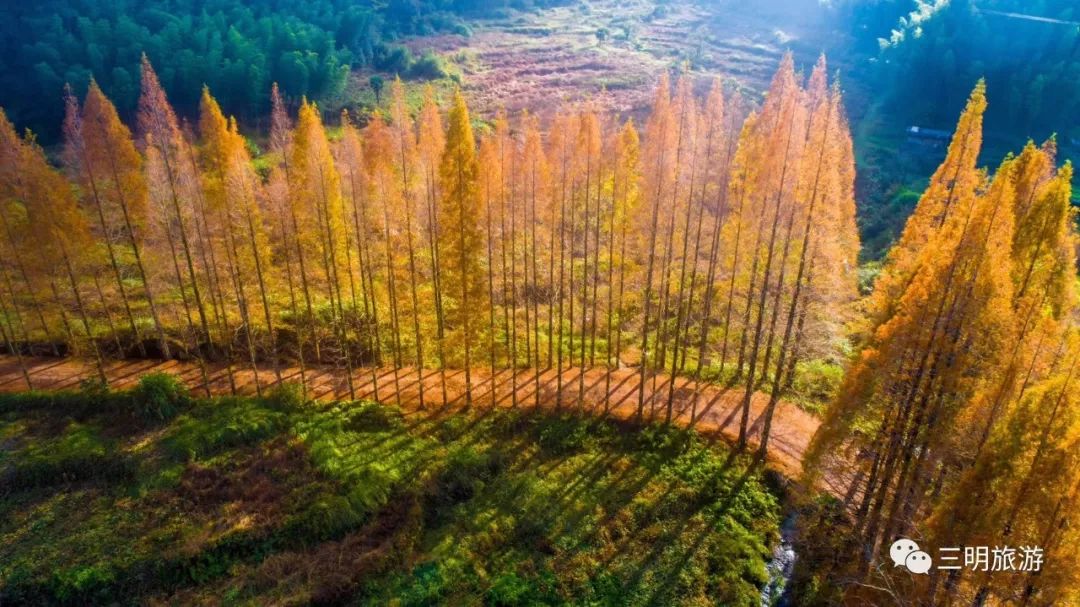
column 150, row 496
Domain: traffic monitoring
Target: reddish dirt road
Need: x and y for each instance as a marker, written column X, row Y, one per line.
column 717, row 408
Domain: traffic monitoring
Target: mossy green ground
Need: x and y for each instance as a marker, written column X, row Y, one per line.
column 106, row 499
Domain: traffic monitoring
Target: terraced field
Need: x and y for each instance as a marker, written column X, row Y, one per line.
column 534, row 61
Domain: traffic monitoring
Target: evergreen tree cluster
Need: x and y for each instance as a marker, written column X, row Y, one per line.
column 927, row 52
column 237, row 47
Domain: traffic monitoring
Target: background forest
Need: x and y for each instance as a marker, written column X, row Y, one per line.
column 236, row 47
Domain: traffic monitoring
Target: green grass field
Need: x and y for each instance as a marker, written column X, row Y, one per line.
column 153, row 497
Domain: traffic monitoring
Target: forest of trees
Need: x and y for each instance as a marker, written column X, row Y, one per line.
column 236, row 48
column 960, row 414
column 711, row 247
column 718, row 244
column 928, row 52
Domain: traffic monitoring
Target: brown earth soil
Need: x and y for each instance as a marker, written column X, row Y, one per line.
column 718, row 409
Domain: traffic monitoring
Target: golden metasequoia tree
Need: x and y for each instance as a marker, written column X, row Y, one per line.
column 961, row 395
column 385, row 196
column 285, row 243
column 658, row 172
column 560, row 145
column 359, row 225
column 489, row 189
column 316, row 204
column 406, row 161
column 625, row 198
column 431, row 141
column 176, row 201
column 534, row 167
column 460, row 239
column 75, row 157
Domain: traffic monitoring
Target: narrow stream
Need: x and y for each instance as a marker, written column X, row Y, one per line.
column 780, row 567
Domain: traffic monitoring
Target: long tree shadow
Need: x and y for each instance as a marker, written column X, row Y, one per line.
column 670, row 578
column 672, row 533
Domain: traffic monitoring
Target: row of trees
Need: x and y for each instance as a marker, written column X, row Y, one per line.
column 961, row 413
column 707, row 249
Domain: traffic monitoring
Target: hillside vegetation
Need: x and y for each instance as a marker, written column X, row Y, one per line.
column 151, row 496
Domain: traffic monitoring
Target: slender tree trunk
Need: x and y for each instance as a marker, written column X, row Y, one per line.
column 491, row 287
column 111, row 251
column 412, row 265
column 108, row 313
column 611, row 288
column 562, row 279
column 293, row 306
column 367, row 281
column 391, row 285
column 679, row 314
column 570, row 279
column 204, row 239
column 649, row 287
column 8, row 336
column 359, row 215
column 596, row 264
column 462, row 269
column 433, row 231
column 586, row 192
column 260, row 275
column 167, row 225
column 551, row 286
column 511, row 203
column 232, row 254
column 186, row 246
column 710, row 276
column 665, row 287
column 83, row 316
column 304, row 283
column 535, row 295
column 21, row 268
column 525, row 272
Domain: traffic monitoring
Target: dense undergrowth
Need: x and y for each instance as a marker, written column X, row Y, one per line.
column 154, row 497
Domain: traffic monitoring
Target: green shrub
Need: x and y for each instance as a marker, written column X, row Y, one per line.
column 564, row 434
column 662, row 442
column 86, row 584
column 287, row 397
column 372, row 417
column 426, row 586
column 215, row 426
column 394, row 59
column 451, row 428
column 328, row 517
column 159, row 396
column 509, row 590
column 429, row 67
column 815, row 383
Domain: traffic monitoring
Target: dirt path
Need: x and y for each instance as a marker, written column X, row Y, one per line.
column 718, row 409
